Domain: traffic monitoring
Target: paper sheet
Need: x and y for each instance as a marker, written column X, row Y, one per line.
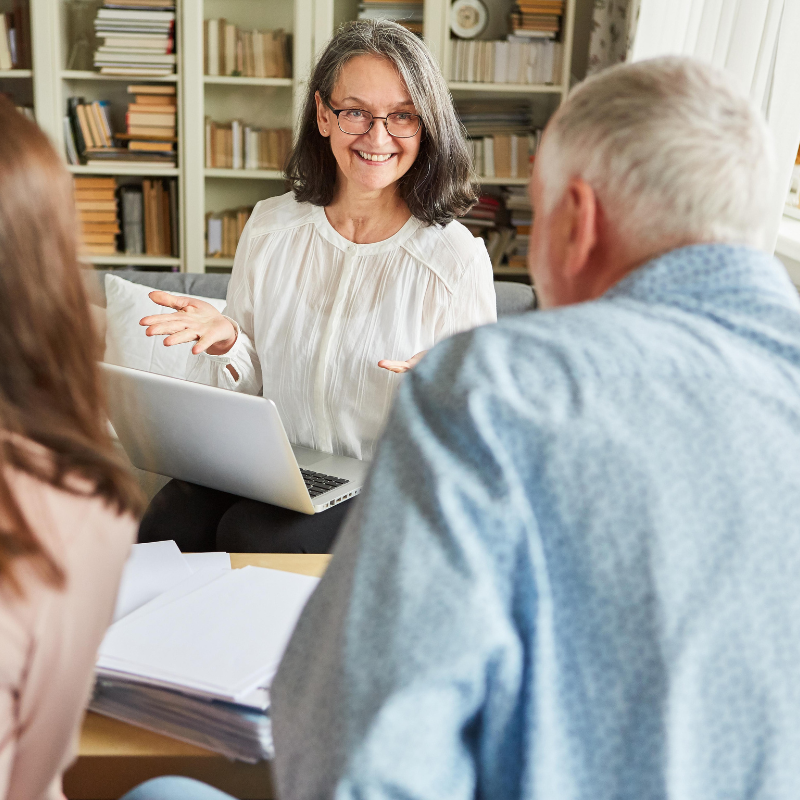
column 223, row 639
column 151, row 569
column 198, row 561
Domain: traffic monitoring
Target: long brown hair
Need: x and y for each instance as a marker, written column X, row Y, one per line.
column 439, row 186
column 50, row 387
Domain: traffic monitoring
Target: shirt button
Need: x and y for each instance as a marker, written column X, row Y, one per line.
column 351, row 248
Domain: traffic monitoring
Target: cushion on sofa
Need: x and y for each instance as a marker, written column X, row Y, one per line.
column 126, row 342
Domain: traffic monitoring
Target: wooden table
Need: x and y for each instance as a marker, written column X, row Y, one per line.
column 113, row 756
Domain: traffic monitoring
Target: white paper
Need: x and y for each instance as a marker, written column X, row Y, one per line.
column 151, row 569
column 197, row 561
column 224, row 639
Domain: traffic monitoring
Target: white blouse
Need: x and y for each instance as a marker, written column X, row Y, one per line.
column 316, row 313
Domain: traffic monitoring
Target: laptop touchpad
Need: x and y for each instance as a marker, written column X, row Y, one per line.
column 306, row 457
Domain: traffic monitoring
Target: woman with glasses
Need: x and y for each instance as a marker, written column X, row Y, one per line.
column 340, row 284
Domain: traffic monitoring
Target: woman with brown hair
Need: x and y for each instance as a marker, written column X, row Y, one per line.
column 67, row 506
column 339, row 284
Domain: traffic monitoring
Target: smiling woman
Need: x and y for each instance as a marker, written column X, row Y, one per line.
column 340, row 284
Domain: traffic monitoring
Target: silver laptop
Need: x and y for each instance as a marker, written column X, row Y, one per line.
column 224, row 440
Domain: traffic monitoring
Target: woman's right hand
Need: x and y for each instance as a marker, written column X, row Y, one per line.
column 193, row 320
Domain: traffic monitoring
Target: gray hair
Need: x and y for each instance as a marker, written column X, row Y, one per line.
column 438, row 186
column 672, row 148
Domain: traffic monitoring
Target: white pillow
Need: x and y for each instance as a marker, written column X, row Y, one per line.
column 126, row 342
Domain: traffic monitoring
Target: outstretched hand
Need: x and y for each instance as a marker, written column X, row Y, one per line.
column 400, row 367
column 194, row 320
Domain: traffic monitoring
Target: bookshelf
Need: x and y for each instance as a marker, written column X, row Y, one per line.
column 267, row 102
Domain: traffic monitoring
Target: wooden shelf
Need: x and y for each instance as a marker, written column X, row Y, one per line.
column 238, row 80
column 125, row 169
column 509, row 272
column 16, row 73
column 505, row 88
column 252, row 174
column 122, row 260
column 89, row 75
column 219, row 262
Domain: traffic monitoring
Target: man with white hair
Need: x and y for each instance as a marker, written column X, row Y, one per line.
column 575, row 570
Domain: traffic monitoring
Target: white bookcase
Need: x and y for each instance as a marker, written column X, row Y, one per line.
column 271, row 102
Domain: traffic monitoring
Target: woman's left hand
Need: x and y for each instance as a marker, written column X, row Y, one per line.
column 402, row 366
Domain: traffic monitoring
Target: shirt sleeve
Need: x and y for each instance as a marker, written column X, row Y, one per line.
column 243, row 357
column 386, row 683
column 473, row 301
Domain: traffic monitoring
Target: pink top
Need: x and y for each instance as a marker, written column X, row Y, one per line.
column 49, row 637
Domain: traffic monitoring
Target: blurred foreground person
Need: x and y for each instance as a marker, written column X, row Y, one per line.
column 574, row 571
column 66, row 505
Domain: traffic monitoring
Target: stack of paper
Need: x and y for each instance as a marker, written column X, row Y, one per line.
column 196, row 658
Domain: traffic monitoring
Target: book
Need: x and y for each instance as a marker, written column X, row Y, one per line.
column 98, row 216
column 131, row 210
column 5, row 49
column 149, row 130
column 132, row 70
column 69, row 142
column 96, row 205
column 86, row 131
column 150, row 90
column 145, row 41
column 150, row 120
column 164, row 17
column 151, row 100
column 152, row 108
column 94, row 194
column 150, row 146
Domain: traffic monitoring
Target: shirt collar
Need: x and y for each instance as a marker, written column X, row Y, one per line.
column 703, row 271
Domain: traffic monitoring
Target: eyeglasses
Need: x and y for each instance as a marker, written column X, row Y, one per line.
column 356, row 121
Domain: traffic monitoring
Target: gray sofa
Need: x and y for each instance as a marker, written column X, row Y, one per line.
column 512, row 298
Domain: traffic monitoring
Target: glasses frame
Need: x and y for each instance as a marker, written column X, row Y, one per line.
column 385, row 119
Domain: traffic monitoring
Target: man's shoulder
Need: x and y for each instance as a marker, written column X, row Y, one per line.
column 279, row 213
column 541, row 347
column 447, row 250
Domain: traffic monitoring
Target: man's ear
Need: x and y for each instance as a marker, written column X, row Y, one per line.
column 582, row 215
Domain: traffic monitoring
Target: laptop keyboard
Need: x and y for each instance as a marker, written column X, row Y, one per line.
column 318, row 484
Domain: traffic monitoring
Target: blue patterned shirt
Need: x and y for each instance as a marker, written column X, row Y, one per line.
column 575, row 571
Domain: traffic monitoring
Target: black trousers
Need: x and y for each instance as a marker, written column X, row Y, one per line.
column 203, row 520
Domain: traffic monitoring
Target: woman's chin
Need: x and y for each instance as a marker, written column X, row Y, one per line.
column 374, row 182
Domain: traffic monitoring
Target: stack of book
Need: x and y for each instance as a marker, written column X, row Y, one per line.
column 407, row 14
column 150, row 137
column 537, row 18
column 504, row 155
column 516, row 60
column 97, row 213
column 484, row 215
column 151, row 123
column 229, row 50
column 234, row 145
column 149, row 216
column 15, row 45
column 521, row 219
column 185, row 663
column 223, row 231
column 486, row 118
column 138, row 38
